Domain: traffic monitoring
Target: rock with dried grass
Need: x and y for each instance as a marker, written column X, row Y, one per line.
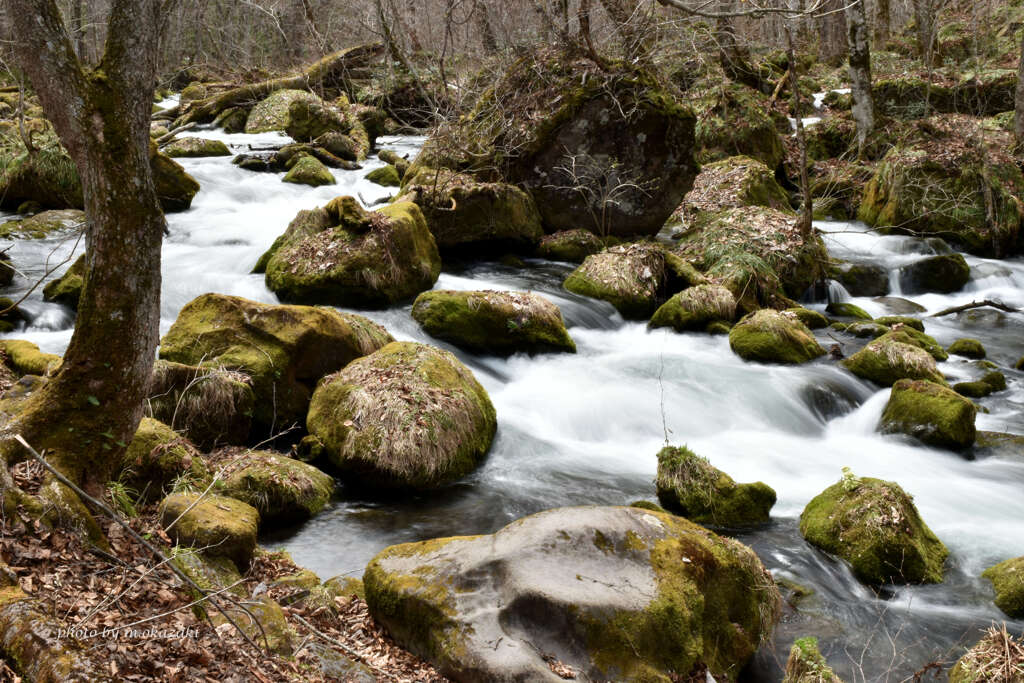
column 732, row 183
column 806, row 665
column 501, row 323
column 573, row 246
column 996, row 658
column 893, row 356
column 605, row 593
column 284, row 350
column 157, row 459
column 873, row 525
column 284, row 490
column 218, row 525
column 470, row 216
column 272, row 112
column 696, row 308
column 931, row 413
column 690, row 486
column 212, row 406
column 631, row 277
column 342, row 255
column 768, row 336
column 409, row 416
column 196, row 147
column 1008, row 580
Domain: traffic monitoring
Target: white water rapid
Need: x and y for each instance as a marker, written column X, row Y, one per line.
column 586, row 428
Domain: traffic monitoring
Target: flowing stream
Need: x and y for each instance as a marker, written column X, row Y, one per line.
column 586, row 428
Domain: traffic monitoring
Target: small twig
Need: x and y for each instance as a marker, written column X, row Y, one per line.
column 345, row 647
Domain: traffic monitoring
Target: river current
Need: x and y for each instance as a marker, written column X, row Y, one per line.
column 586, row 428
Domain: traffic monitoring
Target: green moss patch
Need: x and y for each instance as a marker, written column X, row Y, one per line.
column 217, row 525
column 631, row 277
column 1008, row 580
column 892, row 357
column 695, row 308
column 931, row 413
column 769, row 336
column 282, row 489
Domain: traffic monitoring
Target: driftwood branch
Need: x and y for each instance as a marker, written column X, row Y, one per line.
column 976, row 304
column 330, row 71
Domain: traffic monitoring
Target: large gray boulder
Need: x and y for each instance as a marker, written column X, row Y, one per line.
column 608, row 593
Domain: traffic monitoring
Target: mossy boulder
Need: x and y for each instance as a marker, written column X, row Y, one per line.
column 690, row 486
column 695, row 308
column 944, row 273
column 386, row 176
column 283, row 490
column 390, row 157
column 196, row 147
column 812, row 319
column 895, row 321
column 220, row 526
column 733, row 119
column 967, row 347
column 892, row 357
column 931, row 413
column 67, row 289
column 768, row 336
column 573, row 246
column 407, row 416
column 862, row 279
column 310, row 117
column 493, row 322
column 6, row 269
column 157, row 457
column 284, row 350
column 174, row 187
column 309, row 170
column 910, row 192
column 806, row 665
column 613, row 593
column 865, row 329
column 844, row 309
column 44, row 225
column 1008, row 580
column 46, row 176
column 25, row 358
column 873, row 525
column 209, row 572
column 232, row 120
column 13, row 316
column 212, row 406
column 990, row 383
column 464, row 214
column 272, row 113
column 629, row 276
column 343, row 255
column 733, row 183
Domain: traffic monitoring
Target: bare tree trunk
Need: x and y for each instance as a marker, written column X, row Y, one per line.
column 733, row 58
column 626, row 16
column 78, row 26
column 487, row 37
column 832, row 32
column 90, row 409
column 807, row 208
column 924, row 22
column 860, row 73
column 1018, row 100
column 882, row 21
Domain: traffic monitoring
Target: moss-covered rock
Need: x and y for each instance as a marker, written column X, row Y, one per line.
column 944, row 273
column 232, row 120
column 734, row 119
column 733, row 183
column 209, row 572
column 464, row 214
column 910, row 193
column 6, row 269
column 309, row 170
column 844, row 309
column 768, row 336
column 873, row 525
column 44, row 225
column 25, row 358
column 493, row 322
column 342, row 255
column 212, row 406
column 283, row 490
column 392, row 158
column 690, row 486
column 13, row 315
column 573, row 246
column 614, row 593
column 406, row 416
column 272, row 113
column 932, row 413
column 46, row 176
column 892, row 357
column 997, row 657
column 967, row 347
column 630, row 276
column 695, row 308
column 386, row 176
column 310, row 117
column 284, row 350
column 989, row 383
column 174, row 187
column 1008, row 580
column 196, row 147
column 806, row 665
column 220, row 526
column 67, row 289
column 869, row 330
column 862, row 279
column 812, row 319
column 895, row 321
column 157, row 457
column 261, row 618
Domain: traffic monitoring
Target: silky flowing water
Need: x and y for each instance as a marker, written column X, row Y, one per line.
column 586, row 428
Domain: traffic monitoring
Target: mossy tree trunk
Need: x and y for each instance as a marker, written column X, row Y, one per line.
column 860, row 73
column 1018, row 100
column 90, row 409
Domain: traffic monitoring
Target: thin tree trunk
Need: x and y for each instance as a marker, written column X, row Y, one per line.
column 733, row 59
column 625, row 15
column 807, row 208
column 487, row 37
column 882, row 21
column 78, row 26
column 924, row 22
column 1018, row 101
column 860, row 73
column 832, row 30
column 90, row 409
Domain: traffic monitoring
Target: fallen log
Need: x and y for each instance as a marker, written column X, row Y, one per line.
column 330, row 71
column 976, row 304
